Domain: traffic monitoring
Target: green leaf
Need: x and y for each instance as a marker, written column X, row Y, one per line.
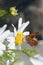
column 29, row 52
column 8, row 14
column 2, row 13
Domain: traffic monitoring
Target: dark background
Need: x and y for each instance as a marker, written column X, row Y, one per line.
column 31, row 10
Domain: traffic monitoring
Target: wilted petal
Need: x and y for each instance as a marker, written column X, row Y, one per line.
column 19, row 22
column 36, row 61
column 4, row 35
column 26, row 33
column 2, row 29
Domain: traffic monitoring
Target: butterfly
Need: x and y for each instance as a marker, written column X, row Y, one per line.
column 30, row 38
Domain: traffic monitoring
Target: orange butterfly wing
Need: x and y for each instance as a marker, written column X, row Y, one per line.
column 32, row 35
column 32, row 41
column 30, row 38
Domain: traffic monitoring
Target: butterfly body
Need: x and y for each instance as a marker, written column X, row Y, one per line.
column 30, row 38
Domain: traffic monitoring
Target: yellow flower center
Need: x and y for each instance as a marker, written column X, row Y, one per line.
column 19, row 38
column 13, row 11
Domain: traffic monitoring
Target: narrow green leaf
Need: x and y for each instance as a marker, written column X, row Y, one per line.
column 2, row 13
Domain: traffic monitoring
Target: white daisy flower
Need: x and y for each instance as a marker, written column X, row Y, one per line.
column 38, row 59
column 3, row 35
column 16, row 39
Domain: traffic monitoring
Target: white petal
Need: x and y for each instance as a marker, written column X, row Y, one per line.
column 4, row 35
column 23, row 26
column 1, row 52
column 18, row 47
column 7, row 62
column 11, row 46
column 13, row 25
column 26, row 33
column 38, row 56
column 14, row 29
column 10, row 39
column 2, row 29
column 36, row 62
column 11, row 34
column 19, row 22
column 2, row 46
column 20, row 29
column 12, row 60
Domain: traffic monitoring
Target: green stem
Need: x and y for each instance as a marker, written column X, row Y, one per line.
column 23, row 51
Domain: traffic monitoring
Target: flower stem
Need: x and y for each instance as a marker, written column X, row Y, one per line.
column 23, row 51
